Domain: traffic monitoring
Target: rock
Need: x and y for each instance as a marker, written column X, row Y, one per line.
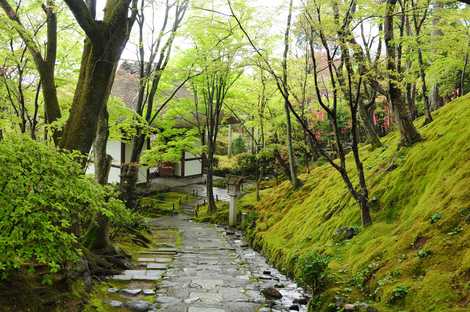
column 266, row 272
column 115, row 303
column 294, row 307
column 168, row 300
column 344, row 233
column 131, row 292
column 339, row 301
column 113, row 290
column 271, row 293
column 301, row 301
column 280, row 285
column 192, row 300
column 148, row 292
column 138, row 306
column 349, row 307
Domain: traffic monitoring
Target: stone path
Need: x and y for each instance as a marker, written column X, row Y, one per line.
column 199, row 267
column 214, row 271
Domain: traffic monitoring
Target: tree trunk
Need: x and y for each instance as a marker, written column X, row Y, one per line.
column 130, row 173
column 408, row 133
column 411, row 100
column 211, row 206
column 101, row 52
column 368, row 126
column 97, row 237
column 44, row 65
column 436, row 99
column 462, row 75
column 424, row 88
column 290, row 150
column 365, row 211
column 93, row 88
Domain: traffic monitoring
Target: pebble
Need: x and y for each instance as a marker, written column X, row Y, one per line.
column 271, row 293
column 192, row 300
column 115, row 303
column 148, row 292
column 131, row 292
column 301, row 301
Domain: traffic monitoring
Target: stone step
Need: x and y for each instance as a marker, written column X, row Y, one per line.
column 138, row 275
column 158, row 253
column 155, row 259
column 156, row 266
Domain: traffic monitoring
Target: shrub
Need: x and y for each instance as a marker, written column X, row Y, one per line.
column 314, row 271
column 436, row 217
column 246, row 164
column 238, row 146
column 398, row 294
column 45, row 199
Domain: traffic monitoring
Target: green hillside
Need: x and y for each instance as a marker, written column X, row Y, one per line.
column 419, row 244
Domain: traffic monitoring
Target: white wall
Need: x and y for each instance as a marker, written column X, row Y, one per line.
column 192, row 167
column 113, row 148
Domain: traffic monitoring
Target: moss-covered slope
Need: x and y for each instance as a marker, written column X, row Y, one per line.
column 420, row 238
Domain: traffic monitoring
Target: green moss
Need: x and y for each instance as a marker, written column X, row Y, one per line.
column 411, row 185
column 161, row 204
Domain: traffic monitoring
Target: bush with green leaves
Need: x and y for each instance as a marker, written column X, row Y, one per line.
column 46, row 204
column 246, row 164
column 313, row 271
column 238, row 145
column 398, row 294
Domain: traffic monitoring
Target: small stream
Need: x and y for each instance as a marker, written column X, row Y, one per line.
column 294, row 297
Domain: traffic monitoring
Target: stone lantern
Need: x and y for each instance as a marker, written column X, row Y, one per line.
column 233, row 190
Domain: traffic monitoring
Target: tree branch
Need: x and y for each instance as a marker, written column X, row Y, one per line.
column 84, row 18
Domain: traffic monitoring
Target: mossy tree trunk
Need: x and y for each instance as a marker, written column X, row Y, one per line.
column 102, row 50
column 98, row 232
column 408, row 133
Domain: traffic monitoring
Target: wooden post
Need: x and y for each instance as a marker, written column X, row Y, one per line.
column 232, row 218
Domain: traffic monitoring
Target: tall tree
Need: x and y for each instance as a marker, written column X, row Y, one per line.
column 45, row 64
column 151, row 68
column 359, row 193
column 408, row 133
column 216, row 53
column 418, row 22
column 290, row 149
column 102, row 50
